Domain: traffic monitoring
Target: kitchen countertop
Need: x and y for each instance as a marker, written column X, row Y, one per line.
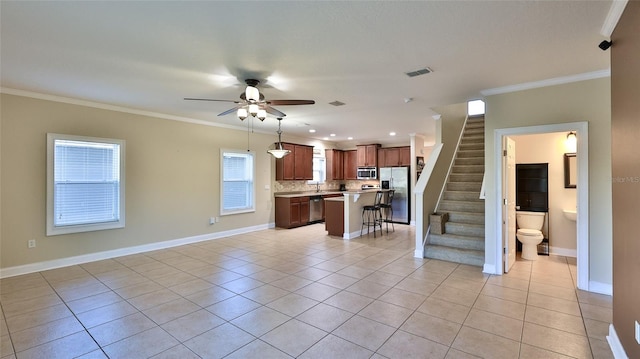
column 324, row 193
column 306, row 193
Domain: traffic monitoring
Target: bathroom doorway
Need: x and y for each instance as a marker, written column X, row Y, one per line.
column 582, row 194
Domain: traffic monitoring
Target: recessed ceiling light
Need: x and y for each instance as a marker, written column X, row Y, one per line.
column 349, row 138
column 333, row 135
column 312, row 130
column 392, row 133
column 326, row 138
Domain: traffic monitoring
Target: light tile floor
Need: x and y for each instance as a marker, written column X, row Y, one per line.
column 299, row 293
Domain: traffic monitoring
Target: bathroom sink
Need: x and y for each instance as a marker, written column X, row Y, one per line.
column 571, row 214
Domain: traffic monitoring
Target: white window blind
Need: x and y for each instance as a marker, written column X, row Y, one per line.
column 237, row 182
column 86, row 184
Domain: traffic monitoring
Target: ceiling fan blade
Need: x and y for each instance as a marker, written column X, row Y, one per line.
column 209, row 99
column 290, row 102
column 231, row 110
column 272, row 111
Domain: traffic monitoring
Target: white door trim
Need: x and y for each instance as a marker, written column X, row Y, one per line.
column 582, row 223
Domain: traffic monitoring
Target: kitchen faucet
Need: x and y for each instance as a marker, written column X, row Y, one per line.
column 318, row 186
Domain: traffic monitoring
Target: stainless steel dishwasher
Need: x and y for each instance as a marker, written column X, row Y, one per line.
column 315, row 208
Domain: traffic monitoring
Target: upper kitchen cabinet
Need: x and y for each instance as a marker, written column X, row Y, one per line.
column 350, row 165
column 394, row 156
column 335, row 164
column 298, row 165
column 367, row 155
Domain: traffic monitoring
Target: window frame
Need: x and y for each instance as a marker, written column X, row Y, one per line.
column 51, row 228
column 252, row 206
column 322, row 170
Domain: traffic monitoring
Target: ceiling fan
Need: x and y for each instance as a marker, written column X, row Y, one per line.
column 253, row 103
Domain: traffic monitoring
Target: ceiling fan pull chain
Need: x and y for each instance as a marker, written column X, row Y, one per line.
column 248, row 137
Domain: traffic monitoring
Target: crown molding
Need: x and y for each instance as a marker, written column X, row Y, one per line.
column 103, row 106
column 549, row 82
column 615, row 11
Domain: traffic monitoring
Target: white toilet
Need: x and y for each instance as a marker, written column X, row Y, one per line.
column 530, row 232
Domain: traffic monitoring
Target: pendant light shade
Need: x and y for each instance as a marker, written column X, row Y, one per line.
column 278, row 151
column 262, row 114
column 252, row 94
column 253, row 109
column 572, row 142
column 242, row 113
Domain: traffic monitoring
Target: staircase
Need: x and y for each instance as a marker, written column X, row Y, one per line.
column 463, row 238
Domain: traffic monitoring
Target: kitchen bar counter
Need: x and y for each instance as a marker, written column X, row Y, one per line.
column 351, row 217
column 342, row 209
column 323, row 193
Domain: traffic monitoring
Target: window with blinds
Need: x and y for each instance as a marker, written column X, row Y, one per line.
column 319, row 170
column 85, row 189
column 238, row 190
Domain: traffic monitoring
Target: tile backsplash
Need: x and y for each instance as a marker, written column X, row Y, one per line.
column 301, row 186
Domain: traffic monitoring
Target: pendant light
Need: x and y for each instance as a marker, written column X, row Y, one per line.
column 278, row 151
column 571, row 142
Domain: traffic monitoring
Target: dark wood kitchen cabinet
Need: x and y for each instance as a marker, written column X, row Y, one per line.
column 350, row 161
column 292, row 211
column 335, row 164
column 394, row 156
column 367, row 155
column 298, row 165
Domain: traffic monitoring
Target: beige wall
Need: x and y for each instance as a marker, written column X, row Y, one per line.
column 550, row 148
column 575, row 102
column 625, row 136
column 172, row 178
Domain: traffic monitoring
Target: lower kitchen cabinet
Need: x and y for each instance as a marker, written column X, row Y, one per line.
column 292, row 211
column 334, row 223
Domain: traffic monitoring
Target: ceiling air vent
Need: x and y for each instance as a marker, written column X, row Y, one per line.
column 336, row 103
column 423, row 71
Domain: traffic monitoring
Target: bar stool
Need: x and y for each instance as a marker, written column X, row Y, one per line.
column 387, row 210
column 372, row 216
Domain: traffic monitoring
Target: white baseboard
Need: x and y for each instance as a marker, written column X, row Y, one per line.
column 602, row 288
column 615, row 345
column 91, row 257
column 489, row 269
column 566, row 252
column 418, row 253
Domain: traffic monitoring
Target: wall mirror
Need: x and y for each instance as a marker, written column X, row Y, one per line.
column 570, row 170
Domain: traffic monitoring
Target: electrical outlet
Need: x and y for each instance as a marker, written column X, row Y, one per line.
column 212, row 220
column 637, row 332
column 31, row 243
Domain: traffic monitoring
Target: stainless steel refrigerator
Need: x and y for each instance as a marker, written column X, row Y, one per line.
column 397, row 178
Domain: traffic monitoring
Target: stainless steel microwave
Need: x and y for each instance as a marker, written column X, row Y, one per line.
column 367, row 173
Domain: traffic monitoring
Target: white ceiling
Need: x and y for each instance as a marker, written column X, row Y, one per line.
column 150, row 55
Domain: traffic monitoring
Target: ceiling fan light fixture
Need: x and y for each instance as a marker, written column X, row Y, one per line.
column 252, row 94
column 242, row 113
column 253, row 109
column 262, row 114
